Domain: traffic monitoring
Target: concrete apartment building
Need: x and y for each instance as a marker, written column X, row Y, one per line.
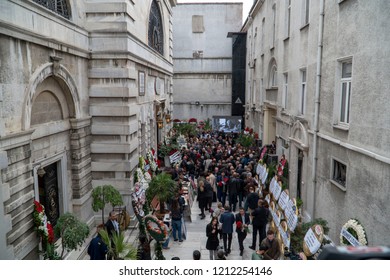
column 202, row 81
column 317, row 84
column 81, row 86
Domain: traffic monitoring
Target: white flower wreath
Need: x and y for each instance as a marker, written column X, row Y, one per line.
column 152, row 161
column 353, row 226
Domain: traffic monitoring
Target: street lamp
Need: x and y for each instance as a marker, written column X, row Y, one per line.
column 168, row 118
column 159, row 123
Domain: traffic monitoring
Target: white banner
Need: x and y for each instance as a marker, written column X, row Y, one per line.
column 283, row 200
column 311, row 241
column 272, row 186
column 292, row 221
column 277, row 190
column 175, row 157
column 276, row 218
column 285, row 239
column 351, row 239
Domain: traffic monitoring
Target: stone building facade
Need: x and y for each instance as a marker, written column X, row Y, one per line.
column 81, row 86
column 316, row 84
column 202, row 79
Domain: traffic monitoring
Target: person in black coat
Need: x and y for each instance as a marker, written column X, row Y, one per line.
column 209, row 193
column 112, row 228
column 202, row 199
column 252, row 200
column 97, row 249
column 112, row 225
column 242, row 222
column 259, row 222
column 212, row 233
column 233, row 187
column 227, row 219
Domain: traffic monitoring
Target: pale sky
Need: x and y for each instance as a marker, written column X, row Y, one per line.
column 247, row 4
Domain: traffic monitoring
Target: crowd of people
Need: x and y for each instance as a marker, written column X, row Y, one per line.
column 224, row 172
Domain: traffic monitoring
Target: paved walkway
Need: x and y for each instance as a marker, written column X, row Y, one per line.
column 196, row 240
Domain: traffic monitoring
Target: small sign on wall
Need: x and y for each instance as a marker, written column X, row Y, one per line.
column 141, row 83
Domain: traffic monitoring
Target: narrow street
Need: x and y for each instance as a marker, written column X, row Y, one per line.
column 196, row 240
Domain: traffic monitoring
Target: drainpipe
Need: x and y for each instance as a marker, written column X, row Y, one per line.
column 317, row 101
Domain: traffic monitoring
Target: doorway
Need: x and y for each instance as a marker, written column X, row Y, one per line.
column 48, row 191
column 299, row 176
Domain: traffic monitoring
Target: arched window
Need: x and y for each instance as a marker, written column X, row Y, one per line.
column 58, row 6
column 273, row 75
column 155, row 34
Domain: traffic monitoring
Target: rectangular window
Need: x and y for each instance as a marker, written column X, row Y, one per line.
column 339, row 173
column 262, row 35
column 261, row 91
column 345, row 91
column 254, row 93
column 305, row 12
column 273, row 25
column 302, row 99
column 287, row 18
column 197, row 24
column 285, row 90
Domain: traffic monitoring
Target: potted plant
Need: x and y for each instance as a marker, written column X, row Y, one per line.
column 163, row 188
column 166, row 149
column 72, row 232
column 117, row 247
column 102, row 195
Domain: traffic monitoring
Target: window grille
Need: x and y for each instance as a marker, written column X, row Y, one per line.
column 155, row 34
column 58, row 6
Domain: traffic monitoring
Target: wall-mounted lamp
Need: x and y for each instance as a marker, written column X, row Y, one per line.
column 41, row 172
column 159, row 123
column 168, row 117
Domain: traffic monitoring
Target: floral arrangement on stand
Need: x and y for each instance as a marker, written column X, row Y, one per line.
column 143, row 174
column 262, row 154
column 158, row 231
column 247, row 138
column 353, row 233
column 282, row 172
column 151, row 157
column 156, row 228
column 45, row 231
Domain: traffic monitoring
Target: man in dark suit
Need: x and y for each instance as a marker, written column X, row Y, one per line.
column 233, row 187
column 112, row 227
column 112, row 224
column 227, row 220
column 259, row 222
column 242, row 222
